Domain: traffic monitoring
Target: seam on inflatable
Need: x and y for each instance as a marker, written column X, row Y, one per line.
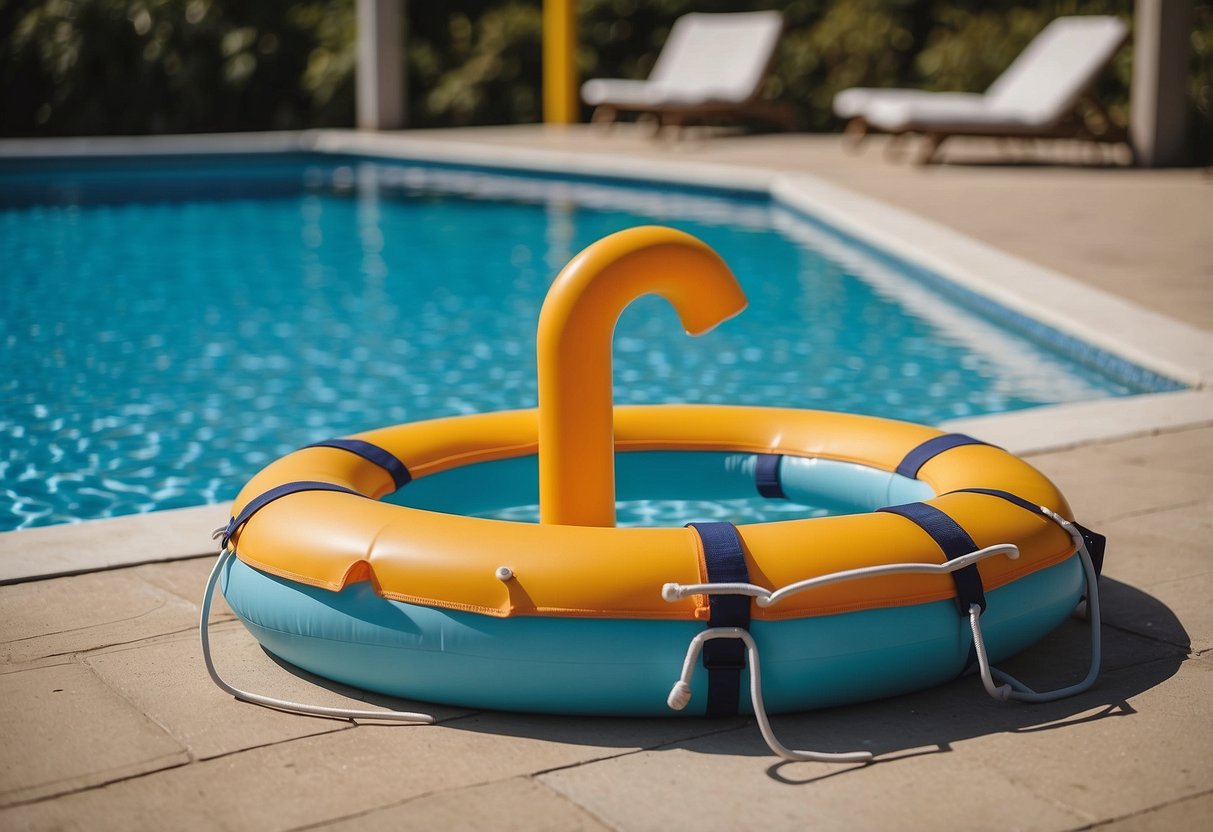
column 540, row 611
column 1003, row 579
column 692, row 615
column 437, row 466
column 722, row 446
column 288, row 574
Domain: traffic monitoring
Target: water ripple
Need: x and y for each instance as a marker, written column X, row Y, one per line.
column 157, row 352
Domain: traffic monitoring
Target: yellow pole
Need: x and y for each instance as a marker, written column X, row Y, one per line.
column 576, row 325
column 559, row 61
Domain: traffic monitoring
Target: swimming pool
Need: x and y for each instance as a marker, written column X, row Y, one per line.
column 170, row 327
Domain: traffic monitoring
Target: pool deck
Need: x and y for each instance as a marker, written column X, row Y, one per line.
column 109, row 719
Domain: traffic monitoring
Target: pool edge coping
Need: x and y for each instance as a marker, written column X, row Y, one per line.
column 1141, row 336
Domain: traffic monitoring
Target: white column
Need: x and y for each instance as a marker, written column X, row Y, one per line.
column 1158, row 100
column 380, row 72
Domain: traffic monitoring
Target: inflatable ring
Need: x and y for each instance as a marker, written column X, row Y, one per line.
column 381, row 560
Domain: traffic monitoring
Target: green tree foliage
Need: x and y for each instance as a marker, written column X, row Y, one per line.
column 163, row 66
column 474, row 62
column 1200, row 83
column 74, row 67
column 928, row 45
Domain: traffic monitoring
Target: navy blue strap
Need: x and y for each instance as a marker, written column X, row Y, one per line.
column 724, row 658
column 1096, row 542
column 1027, row 505
column 766, row 475
column 955, row 542
column 262, row 500
column 924, row 453
column 372, row 453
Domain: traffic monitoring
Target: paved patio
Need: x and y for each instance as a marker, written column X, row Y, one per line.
column 109, row 720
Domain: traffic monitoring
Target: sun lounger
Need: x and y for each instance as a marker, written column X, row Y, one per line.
column 1036, row 97
column 710, row 69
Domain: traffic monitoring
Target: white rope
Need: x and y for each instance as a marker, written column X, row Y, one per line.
column 1003, row 692
column 270, row 702
column 680, row 695
column 766, row 598
column 1012, row 688
column 999, row 685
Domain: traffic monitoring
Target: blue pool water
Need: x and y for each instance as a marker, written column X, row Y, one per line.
column 168, row 328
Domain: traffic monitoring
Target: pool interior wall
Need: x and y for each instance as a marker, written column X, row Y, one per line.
column 670, row 488
column 171, row 329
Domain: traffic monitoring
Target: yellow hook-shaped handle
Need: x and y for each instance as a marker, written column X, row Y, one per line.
column 576, row 325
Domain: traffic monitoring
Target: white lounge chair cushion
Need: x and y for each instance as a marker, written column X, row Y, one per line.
column 620, row 91
column 1043, row 84
column 955, row 114
column 708, row 58
column 1039, row 88
column 627, row 93
column 857, row 100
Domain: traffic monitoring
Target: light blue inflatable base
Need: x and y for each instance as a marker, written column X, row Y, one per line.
column 626, row 667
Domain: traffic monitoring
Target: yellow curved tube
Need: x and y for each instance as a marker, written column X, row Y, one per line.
column 576, row 326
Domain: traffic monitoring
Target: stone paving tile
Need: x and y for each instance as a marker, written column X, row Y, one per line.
column 1103, row 485
column 1188, row 450
column 109, row 543
column 1149, row 549
column 1179, row 615
column 1050, row 428
column 953, row 758
column 1159, row 575
column 1158, row 518
column 166, row 679
column 1191, row 813
column 1063, row 656
column 517, row 804
column 63, row 729
column 336, row 775
column 1156, row 749
column 186, row 579
column 86, row 612
column 993, row 750
column 703, row 785
column 611, row 735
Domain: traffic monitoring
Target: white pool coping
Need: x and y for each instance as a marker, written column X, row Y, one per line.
column 1104, row 320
